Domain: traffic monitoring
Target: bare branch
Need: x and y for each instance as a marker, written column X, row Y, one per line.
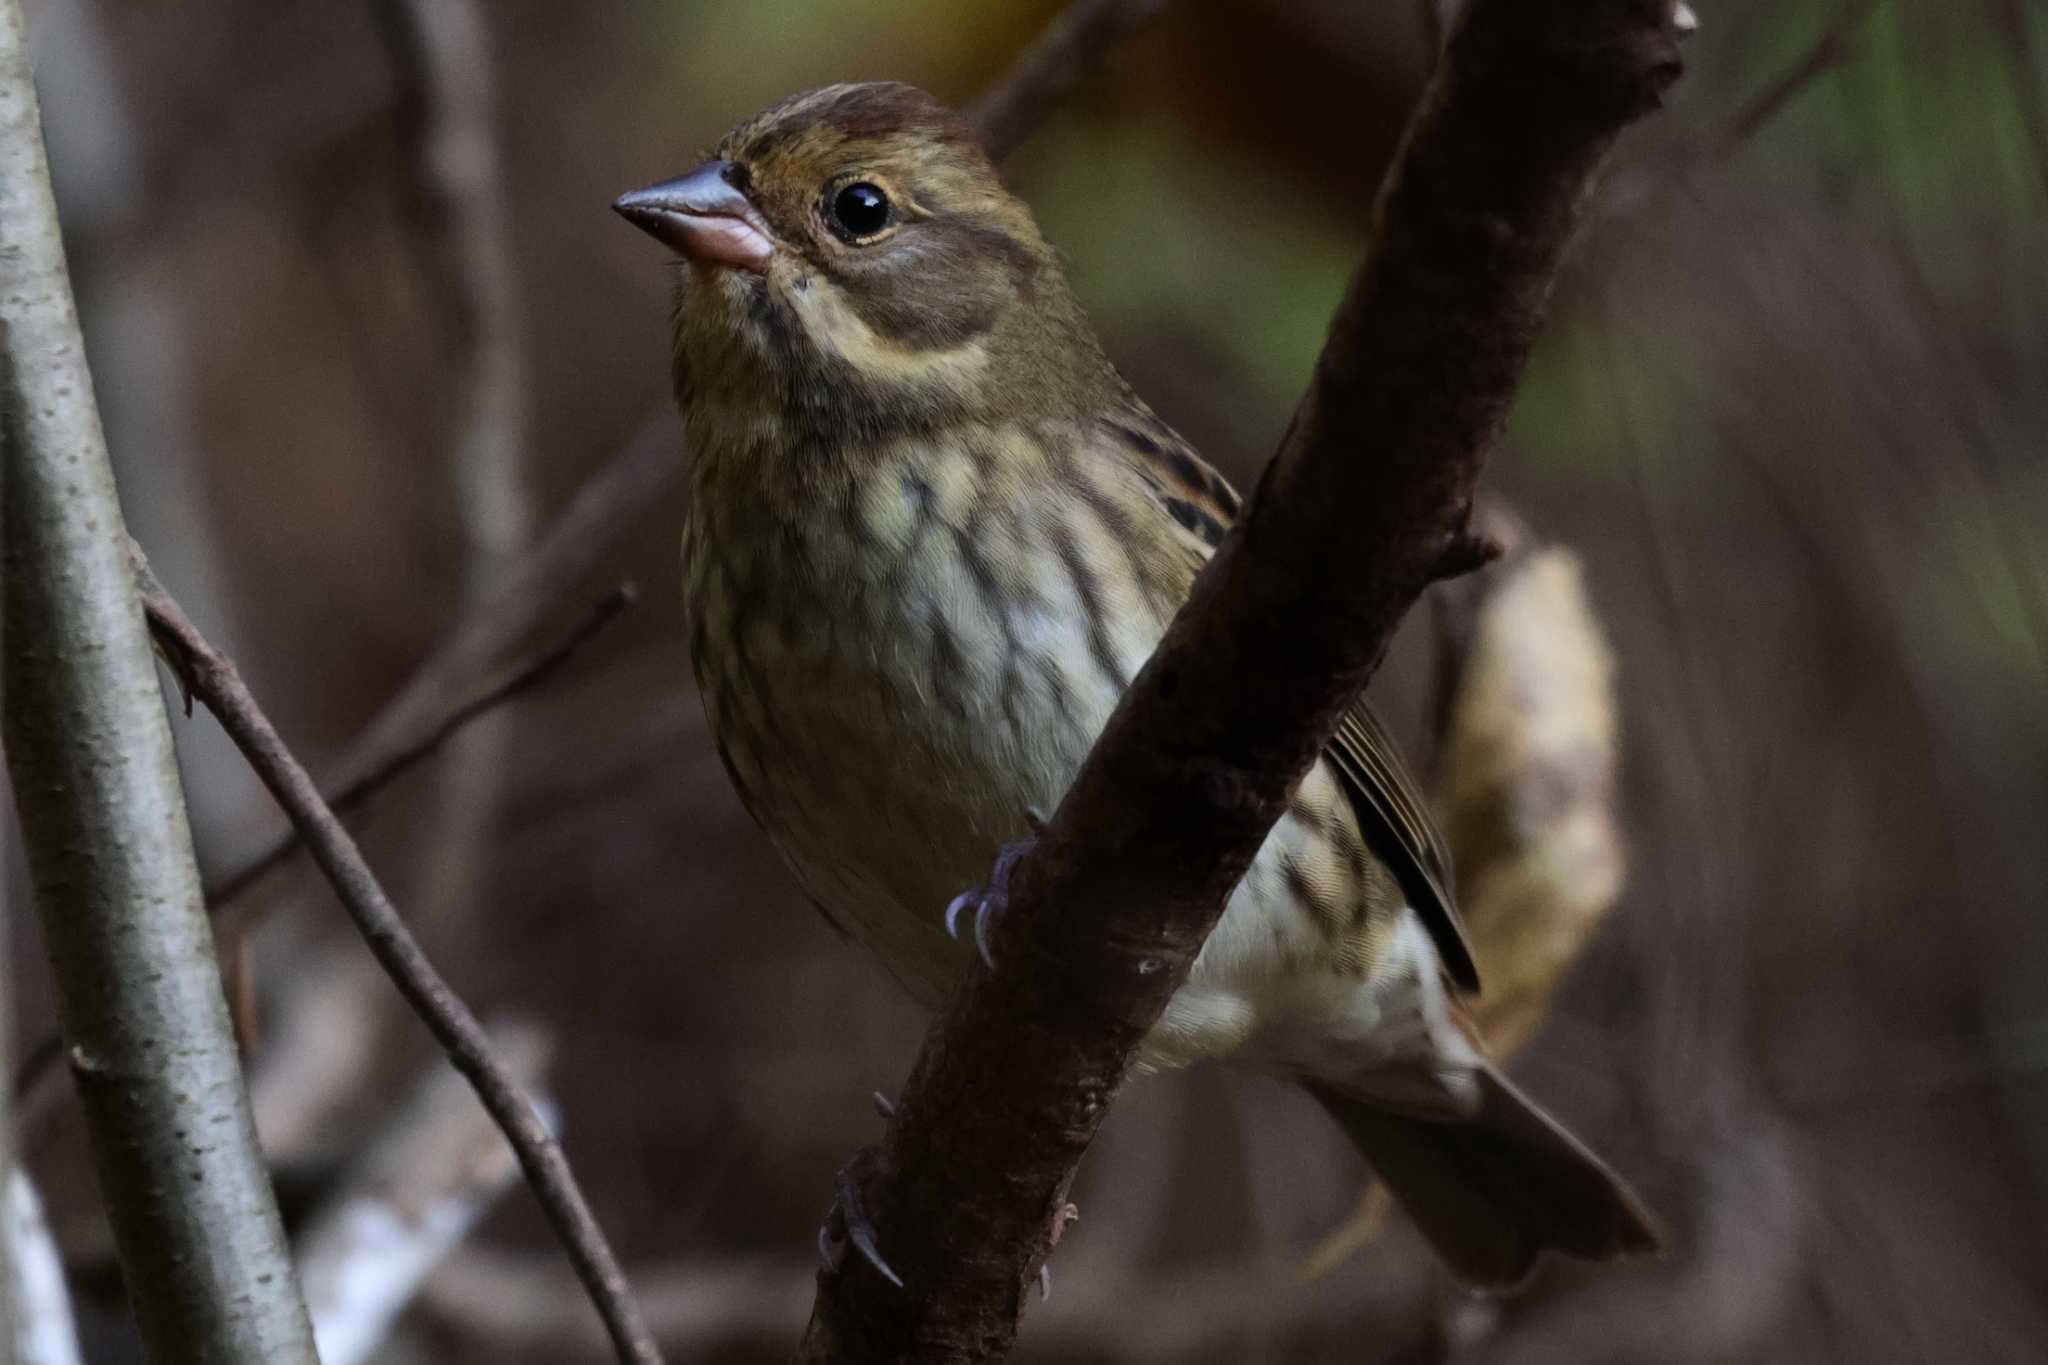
column 445, row 69
column 1350, row 522
column 43, row 1327
column 214, row 680
column 103, row 819
column 1831, row 48
column 373, row 769
column 410, row 1196
column 1071, row 46
column 1828, row 51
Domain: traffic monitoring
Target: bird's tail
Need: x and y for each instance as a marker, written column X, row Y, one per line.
column 1493, row 1192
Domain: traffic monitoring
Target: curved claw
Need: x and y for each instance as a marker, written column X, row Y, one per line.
column 860, row 1231
column 991, row 899
column 830, row 1252
column 955, row 906
column 983, row 913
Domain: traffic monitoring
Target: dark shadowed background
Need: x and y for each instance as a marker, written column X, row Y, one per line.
column 1790, row 411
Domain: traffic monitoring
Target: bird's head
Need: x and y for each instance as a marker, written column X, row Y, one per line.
column 852, row 260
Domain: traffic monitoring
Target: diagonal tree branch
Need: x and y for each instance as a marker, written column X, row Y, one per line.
column 103, row 819
column 371, row 771
column 377, row 769
column 1360, row 509
column 213, row 679
column 1071, row 46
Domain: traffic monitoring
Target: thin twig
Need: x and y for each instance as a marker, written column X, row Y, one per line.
column 235, row 914
column 214, row 680
column 497, row 640
column 412, row 1192
column 389, row 767
column 1352, row 519
column 1071, row 46
column 1829, row 50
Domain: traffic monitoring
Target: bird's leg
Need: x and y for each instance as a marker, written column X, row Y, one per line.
column 992, row 897
column 848, row 1223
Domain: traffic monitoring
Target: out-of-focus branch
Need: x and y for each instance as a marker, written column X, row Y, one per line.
column 1364, row 505
column 16, row 1340
column 407, row 1201
column 103, row 821
column 214, row 680
column 1829, row 49
column 373, row 769
column 460, row 230
column 443, row 54
column 1064, row 54
column 43, row 1329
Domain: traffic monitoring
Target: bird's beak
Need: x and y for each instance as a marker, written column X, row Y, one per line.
column 705, row 216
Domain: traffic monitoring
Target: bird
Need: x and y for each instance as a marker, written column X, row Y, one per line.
column 932, row 535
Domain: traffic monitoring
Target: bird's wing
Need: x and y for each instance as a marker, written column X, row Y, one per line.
column 1399, row 828
column 1391, row 811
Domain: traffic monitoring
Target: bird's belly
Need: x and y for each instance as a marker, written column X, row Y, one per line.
column 890, row 724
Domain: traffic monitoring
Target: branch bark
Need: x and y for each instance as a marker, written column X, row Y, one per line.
column 139, row 995
column 1362, row 507
column 214, row 680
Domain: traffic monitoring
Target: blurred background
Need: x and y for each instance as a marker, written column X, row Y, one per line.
column 1789, row 414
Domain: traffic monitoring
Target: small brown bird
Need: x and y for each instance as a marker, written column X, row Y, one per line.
column 933, row 534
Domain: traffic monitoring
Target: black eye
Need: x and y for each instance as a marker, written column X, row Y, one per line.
column 860, row 210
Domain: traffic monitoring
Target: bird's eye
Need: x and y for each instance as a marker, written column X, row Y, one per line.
column 859, row 210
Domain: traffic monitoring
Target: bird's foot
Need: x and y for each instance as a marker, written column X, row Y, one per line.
column 848, row 1225
column 992, row 897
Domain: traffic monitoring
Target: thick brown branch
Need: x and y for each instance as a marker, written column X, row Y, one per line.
column 213, row 679
column 1351, row 521
column 1068, row 50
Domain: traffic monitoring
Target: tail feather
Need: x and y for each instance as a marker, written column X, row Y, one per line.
column 1493, row 1192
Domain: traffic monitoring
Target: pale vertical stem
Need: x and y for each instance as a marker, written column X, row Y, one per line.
column 44, row 1331
column 460, row 223
column 13, row 1327
column 110, row 856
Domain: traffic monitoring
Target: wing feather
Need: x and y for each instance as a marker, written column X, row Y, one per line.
column 1391, row 811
